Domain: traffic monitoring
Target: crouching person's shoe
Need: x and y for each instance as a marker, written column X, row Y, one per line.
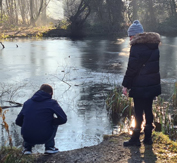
column 134, row 141
column 51, row 150
column 27, row 151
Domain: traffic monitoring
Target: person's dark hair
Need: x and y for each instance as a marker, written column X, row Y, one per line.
column 46, row 88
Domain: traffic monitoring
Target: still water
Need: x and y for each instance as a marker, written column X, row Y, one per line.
column 81, row 73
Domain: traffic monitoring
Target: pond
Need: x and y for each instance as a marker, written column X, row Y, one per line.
column 81, row 73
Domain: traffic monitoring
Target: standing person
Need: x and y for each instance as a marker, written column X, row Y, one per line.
column 37, row 121
column 142, row 79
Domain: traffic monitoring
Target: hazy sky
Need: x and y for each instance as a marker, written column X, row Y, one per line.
column 55, row 9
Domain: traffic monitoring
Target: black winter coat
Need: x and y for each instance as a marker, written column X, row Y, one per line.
column 142, row 76
column 37, row 118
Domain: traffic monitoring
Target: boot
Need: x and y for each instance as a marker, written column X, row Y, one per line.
column 148, row 132
column 134, row 141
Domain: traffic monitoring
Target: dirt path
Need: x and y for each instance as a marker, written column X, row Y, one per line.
column 111, row 150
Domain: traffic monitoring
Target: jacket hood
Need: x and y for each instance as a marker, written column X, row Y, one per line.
column 41, row 96
column 146, row 37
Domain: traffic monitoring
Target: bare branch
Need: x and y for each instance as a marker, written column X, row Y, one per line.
column 2, row 45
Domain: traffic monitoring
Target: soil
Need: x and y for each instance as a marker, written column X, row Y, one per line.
column 111, row 150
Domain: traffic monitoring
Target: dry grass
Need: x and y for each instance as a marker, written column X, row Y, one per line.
column 25, row 32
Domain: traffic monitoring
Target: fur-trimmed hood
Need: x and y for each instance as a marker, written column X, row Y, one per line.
column 146, row 37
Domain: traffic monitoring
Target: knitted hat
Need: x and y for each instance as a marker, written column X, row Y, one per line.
column 135, row 28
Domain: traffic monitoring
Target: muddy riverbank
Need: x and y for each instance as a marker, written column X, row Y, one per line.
column 111, row 150
column 25, row 32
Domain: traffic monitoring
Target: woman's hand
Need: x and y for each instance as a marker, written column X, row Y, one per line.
column 125, row 91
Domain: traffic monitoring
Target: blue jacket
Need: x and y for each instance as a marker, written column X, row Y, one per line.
column 142, row 76
column 37, row 118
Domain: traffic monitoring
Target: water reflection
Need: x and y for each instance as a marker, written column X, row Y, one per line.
column 81, row 72
column 168, row 66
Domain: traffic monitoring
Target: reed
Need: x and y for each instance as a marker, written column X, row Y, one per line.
column 165, row 113
column 14, row 155
column 117, row 104
column 6, row 126
column 174, row 96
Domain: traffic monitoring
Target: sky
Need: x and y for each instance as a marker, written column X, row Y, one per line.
column 55, row 10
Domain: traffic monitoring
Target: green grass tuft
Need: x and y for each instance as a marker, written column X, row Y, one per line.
column 14, row 155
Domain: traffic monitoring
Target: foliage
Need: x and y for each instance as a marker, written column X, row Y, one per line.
column 5, row 125
column 152, row 13
column 14, row 155
column 4, row 36
column 108, row 15
column 160, row 138
column 91, row 17
column 117, row 104
column 168, row 26
column 164, row 111
column 15, row 12
column 9, row 154
column 63, row 24
column 165, row 114
column 26, row 32
column 174, row 97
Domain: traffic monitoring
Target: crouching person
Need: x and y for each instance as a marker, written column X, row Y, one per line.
column 37, row 121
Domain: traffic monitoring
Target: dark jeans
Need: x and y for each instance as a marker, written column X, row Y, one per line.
column 143, row 106
column 49, row 143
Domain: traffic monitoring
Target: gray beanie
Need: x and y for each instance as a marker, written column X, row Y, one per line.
column 135, row 28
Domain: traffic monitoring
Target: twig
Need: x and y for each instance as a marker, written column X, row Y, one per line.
column 66, row 83
column 5, row 107
column 2, row 45
column 12, row 102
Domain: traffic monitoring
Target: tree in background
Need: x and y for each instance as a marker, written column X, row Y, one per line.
column 20, row 12
column 77, row 11
column 153, row 14
column 37, row 8
column 104, row 17
column 101, row 16
column 107, row 16
column 132, row 10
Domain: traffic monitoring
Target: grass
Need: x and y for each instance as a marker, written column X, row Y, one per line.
column 118, row 104
column 25, row 32
column 164, row 147
column 164, row 111
column 14, row 155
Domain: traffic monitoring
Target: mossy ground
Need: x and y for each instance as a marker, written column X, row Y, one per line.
column 110, row 150
column 164, row 147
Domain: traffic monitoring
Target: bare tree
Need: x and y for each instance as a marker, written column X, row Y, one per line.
column 77, row 13
column 1, row 10
column 173, row 8
column 36, row 9
column 135, row 9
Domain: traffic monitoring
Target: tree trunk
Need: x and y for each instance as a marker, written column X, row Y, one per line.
column 135, row 9
column 151, row 15
column 32, row 12
column 44, row 16
column 1, row 11
column 173, row 8
column 16, row 13
column 79, row 18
